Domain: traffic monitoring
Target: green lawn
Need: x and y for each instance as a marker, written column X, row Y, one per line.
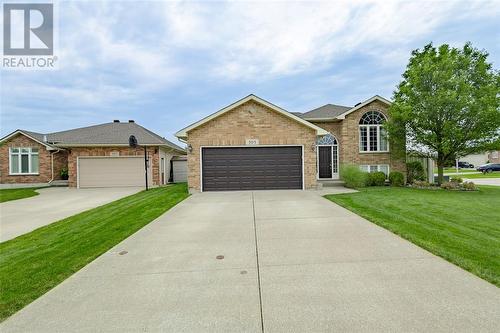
column 32, row 264
column 462, row 227
column 480, row 175
column 17, row 193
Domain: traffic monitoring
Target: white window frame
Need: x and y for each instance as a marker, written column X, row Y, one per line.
column 379, row 135
column 19, row 154
column 364, row 167
column 378, row 129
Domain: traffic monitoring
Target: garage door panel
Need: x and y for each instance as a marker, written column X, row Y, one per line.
column 251, row 168
column 111, row 171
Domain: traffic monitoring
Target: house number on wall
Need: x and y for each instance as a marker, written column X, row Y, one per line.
column 252, row 141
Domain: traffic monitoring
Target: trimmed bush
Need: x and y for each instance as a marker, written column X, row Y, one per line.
column 352, row 176
column 414, row 171
column 456, row 180
column 396, row 178
column 469, row 186
column 369, row 181
column 377, row 178
column 421, row 184
column 458, row 186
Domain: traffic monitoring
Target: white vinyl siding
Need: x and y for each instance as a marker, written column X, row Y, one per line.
column 179, row 171
column 23, row 161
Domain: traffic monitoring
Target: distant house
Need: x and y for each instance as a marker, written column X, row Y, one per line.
column 475, row 159
column 95, row 156
column 494, row 156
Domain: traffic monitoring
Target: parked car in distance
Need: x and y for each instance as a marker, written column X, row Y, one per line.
column 490, row 167
column 465, row 165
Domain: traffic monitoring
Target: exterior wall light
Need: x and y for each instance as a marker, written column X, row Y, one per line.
column 189, row 148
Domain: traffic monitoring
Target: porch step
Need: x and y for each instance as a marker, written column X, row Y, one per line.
column 331, row 183
column 59, row 183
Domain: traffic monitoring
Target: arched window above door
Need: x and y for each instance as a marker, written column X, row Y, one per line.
column 327, row 140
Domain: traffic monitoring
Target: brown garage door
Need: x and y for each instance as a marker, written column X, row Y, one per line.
column 251, row 168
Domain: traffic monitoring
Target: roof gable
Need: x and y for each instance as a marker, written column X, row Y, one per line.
column 183, row 132
column 37, row 137
column 360, row 105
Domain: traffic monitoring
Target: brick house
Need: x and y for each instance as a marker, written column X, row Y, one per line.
column 254, row 144
column 94, row 156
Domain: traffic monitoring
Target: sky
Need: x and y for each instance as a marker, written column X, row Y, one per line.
column 168, row 64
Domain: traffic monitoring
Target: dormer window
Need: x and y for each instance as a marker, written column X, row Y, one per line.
column 372, row 135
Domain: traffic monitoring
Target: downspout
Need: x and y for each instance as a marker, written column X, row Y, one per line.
column 52, row 164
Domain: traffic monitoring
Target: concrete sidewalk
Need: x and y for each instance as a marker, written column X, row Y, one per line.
column 292, row 262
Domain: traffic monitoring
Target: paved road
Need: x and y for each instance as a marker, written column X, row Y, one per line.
column 293, row 262
column 484, row 181
column 18, row 217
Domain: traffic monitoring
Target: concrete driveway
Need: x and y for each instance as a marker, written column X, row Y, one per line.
column 293, row 262
column 52, row 204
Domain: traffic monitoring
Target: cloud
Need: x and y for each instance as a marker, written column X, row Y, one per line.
column 244, row 40
column 126, row 57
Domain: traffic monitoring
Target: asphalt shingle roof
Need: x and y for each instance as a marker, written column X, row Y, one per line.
column 103, row 134
column 326, row 111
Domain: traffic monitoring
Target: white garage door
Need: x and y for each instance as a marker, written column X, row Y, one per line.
column 111, row 171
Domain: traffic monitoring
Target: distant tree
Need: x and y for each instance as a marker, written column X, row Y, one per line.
column 447, row 104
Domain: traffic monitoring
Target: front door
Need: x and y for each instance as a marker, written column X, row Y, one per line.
column 325, row 161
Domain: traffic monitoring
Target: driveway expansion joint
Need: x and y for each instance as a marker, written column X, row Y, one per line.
column 257, row 262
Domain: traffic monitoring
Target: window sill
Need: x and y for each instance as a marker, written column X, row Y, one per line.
column 24, row 174
column 374, row 152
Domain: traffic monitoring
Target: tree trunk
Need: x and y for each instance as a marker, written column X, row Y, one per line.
column 440, row 165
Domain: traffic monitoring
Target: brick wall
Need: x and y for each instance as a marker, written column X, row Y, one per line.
column 347, row 134
column 153, row 153
column 44, row 167
column 251, row 121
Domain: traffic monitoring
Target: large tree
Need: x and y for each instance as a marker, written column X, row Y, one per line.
column 447, row 104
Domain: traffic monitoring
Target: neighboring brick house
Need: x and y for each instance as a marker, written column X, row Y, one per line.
column 253, row 144
column 95, row 156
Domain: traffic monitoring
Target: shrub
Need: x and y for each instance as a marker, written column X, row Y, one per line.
column 450, row 186
column 377, row 178
column 414, row 171
column 458, row 186
column 396, row 178
column 64, row 173
column 369, row 181
column 456, row 180
column 353, row 176
column 469, row 186
column 421, row 183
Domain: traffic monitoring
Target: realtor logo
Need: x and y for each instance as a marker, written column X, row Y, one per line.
column 28, row 29
column 29, row 36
